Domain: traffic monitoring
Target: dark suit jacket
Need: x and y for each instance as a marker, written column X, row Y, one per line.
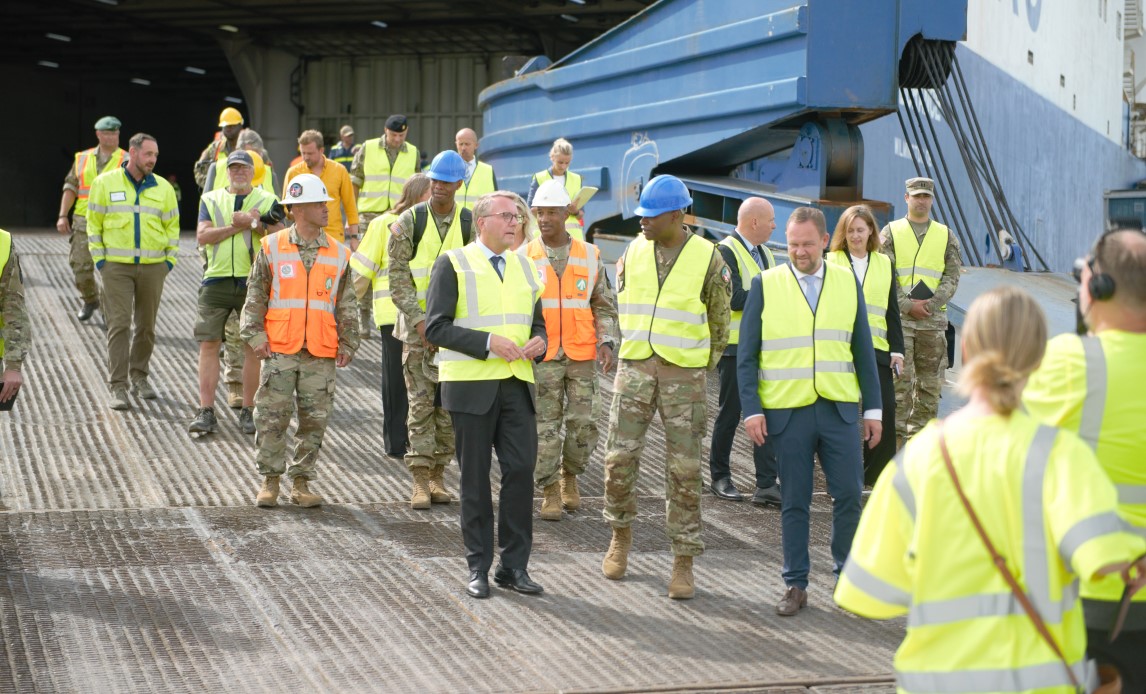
column 894, row 322
column 748, row 366
column 739, row 295
column 473, row 397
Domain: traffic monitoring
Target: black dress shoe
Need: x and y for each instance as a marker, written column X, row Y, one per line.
column 724, row 489
column 87, row 310
column 516, row 579
column 766, row 496
column 478, row 587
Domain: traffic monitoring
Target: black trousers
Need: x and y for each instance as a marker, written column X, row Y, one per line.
column 1126, row 654
column 724, row 430
column 395, row 405
column 875, row 459
column 510, row 428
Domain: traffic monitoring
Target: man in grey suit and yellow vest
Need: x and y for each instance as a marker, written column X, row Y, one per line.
column 380, row 169
column 921, row 251
column 805, row 356
column 479, row 179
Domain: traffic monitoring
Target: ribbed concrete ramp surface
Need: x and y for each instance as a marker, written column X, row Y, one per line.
column 132, row 558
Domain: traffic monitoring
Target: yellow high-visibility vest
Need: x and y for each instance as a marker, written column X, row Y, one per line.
column 232, row 256
column 668, row 319
column 129, row 225
column 804, row 355
column 876, row 289
column 494, row 305
column 915, row 262
column 430, row 247
column 572, row 186
column 748, row 269
column 371, row 261
column 86, row 173
column 381, row 185
column 480, row 183
column 5, row 254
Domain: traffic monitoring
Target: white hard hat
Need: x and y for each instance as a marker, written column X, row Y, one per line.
column 551, row 194
column 306, row 188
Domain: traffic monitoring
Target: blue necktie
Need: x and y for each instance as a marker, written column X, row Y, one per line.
column 812, row 290
column 496, row 261
column 755, row 253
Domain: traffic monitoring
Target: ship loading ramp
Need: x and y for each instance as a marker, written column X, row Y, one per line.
column 695, row 88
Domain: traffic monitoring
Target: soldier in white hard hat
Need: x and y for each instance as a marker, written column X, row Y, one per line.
column 301, row 319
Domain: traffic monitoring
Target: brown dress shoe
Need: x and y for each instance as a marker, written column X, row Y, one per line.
column 792, row 601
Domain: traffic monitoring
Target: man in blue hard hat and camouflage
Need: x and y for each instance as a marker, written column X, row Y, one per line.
column 673, row 303
column 420, row 235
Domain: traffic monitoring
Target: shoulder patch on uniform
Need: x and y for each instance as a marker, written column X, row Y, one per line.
column 726, row 274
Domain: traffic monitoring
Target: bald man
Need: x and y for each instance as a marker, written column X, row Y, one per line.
column 479, row 178
column 746, row 256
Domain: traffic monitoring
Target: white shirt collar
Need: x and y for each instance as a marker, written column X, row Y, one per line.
column 486, row 250
column 818, row 273
column 747, row 244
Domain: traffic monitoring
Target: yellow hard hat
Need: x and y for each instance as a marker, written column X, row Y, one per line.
column 260, row 168
column 230, row 116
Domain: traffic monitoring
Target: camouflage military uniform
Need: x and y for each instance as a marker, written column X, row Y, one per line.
column 568, row 390
column 644, row 387
column 207, row 158
column 430, row 429
column 16, row 330
column 918, row 389
column 79, row 255
column 286, row 377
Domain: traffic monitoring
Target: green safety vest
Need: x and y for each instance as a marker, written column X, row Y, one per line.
column 493, row 305
column 86, row 173
column 129, row 227
column 876, row 289
column 804, row 355
column 371, row 262
column 480, row 183
column 668, row 319
column 430, row 246
column 572, row 186
column 5, row 254
column 914, row 262
column 748, row 269
column 232, row 256
column 381, row 186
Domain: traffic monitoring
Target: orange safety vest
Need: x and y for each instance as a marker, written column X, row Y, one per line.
column 300, row 309
column 565, row 301
column 86, row 172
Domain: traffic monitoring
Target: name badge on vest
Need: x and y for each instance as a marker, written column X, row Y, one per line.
column 118, row 196
column 286, row 270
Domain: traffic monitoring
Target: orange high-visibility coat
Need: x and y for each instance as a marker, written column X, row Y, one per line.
column 565, row 300
column 301, row 305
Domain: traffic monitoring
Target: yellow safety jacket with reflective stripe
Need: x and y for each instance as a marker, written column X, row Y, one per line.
column 748, row 269
column 876, row 289
column 381, row 185
column 371, row 261
column 301, row 305
column 86, row 173
column 232, row 256
column 669, row 319
column 5, row 254
column 804, row 355
column 1092, row 386
column 569, row 323
column 490, row 304
column 1048, row 510
column 480, row 183
column 130, row 226
column 572, row 186
column 915, row 262
column 430, row 247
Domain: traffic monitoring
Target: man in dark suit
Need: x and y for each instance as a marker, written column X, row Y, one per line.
column 486, row 380
column 805, row 357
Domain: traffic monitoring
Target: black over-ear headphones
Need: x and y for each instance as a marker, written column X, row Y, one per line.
column 1101, row 285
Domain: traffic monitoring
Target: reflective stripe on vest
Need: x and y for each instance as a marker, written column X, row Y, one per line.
column 371, row 261
column 876, row 289
column 430, row 246
column 914, row 262
column 480, row 183
column 565, row 300
column 86, row 173
column 804, row 355
column 131, row 232
column 572, row 186
column 5, row 254
column 669, row 319
column 381, row 185
column 232, row 256
column 494, row 305
column 301, row 305
column 748, row 269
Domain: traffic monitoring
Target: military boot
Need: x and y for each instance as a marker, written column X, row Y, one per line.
column 551, row 504
column 269, row 495
column 617, row 558
column 680, row 585
column 420, row 498
column 234, row 395
column 570, row 496
column 89, row 308
column 438, row 493
column 302, row 496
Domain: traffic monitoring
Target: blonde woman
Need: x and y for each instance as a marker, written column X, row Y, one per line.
column 1039, row 497
column 560, row 157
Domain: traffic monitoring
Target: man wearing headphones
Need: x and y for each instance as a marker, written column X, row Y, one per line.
column 1091, row 385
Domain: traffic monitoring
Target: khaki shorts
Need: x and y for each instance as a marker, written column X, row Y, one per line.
column 216, row 302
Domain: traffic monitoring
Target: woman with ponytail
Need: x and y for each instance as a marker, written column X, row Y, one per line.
column 980, row 528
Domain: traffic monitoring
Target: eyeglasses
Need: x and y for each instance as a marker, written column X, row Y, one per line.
column 507, row 217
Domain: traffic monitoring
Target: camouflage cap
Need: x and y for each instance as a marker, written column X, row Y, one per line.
column 920, row 186
column 108, row 123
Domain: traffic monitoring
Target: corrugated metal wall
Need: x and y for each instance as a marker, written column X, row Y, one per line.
column 438, row 94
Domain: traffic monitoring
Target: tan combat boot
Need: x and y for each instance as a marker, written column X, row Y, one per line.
column 269, row 495
column 617, row 558
column 680, row 585
column 302, row 496
column 570, row 496
column 551, row 503
column 438, row 493
column 234, row 395
column 421, row 496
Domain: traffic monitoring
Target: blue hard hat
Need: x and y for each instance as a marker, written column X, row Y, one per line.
column 663, row 194
column 448, row 166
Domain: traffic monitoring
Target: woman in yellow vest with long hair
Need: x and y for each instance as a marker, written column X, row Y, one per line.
column 561, row 156
column 1038, row 497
